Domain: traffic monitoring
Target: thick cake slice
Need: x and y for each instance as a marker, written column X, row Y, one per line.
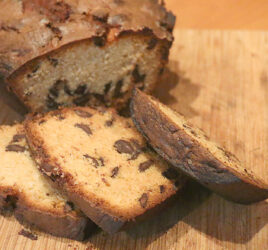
column 188, row 149
column 24, row 189
column 102, row 163
column 80, row 52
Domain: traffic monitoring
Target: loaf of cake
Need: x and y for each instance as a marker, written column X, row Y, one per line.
column 102, row 163
column 82, row 52
column 189, row 149
column 26, row 191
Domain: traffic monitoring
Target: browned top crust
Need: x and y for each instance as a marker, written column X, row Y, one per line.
column 31, row 28
column 223, row 175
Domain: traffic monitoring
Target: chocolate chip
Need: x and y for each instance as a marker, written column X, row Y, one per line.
column 68, row 207
column 84, row 127
column 28, row 234
column 94, row 160
column 115, row 172
column 36, row 68
column 117, row 90
column 83, row 113
column 47, row 167
column 81, row 89
column 109, row 123
column 162, row 189
column 123, row 146
column 107, row 87
column 99, row 97
column 101, row 161
column 106, row 182
column 152, row 43
column 67, row 89
column 15, row 148
column 18, row 137
column 53, row 61
column 99, row 41
column 145, row 165
column 137, row 77
column 170, row 174
column 143, row 200
column 51, row 103
column 100, row 15
column 81, row 101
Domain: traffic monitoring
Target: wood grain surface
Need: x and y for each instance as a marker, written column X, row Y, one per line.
column 219, row 80
column 221, row 14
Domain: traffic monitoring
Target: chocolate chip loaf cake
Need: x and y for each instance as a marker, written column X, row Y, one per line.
column 190, row 150
column 82, row 52
column 24, row 189
column 102, row 163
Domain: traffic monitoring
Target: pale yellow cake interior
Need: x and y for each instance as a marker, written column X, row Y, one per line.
column 68, row 144
column 18, row 171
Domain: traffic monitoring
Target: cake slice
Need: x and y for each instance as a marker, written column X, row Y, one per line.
column 24, row 189
column 80, row 52
column 102, row 163
column 189, row 149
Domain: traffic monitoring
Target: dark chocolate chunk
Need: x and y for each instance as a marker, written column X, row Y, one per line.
column 53, row 61
column 68, row 207
column 47, row 167
column 162, row 189
column 28, row 234
column 36, row 68
column 99, row 97
column 101, row 161
column 107, row 87
column 99, row 41
column 51, row 103
column 84, row 127
column 94, row 160
column 115, row 172
column 170, row 174
column 165, row 53
column 81, row 89
column 117, row 90
column 143, row 200
column 83, row 113
column 67, row 89
column 81, row 101
column 145, row 165
column 152, row 43
column 137, row 77
column 18, row 137
column 100, row 15
column 123, row 146
column 15, row 148
column 109, row 123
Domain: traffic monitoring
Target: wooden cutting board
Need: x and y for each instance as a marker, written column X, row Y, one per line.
column 219, row 80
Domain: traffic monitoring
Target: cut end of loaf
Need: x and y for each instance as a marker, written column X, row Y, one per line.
column 190, row 150
column 91, row 72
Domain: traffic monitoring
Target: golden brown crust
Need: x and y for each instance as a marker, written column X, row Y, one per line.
column 186, row 153
column 62, row 220
column 68, row 225
column 29, row 29
column 104, row 216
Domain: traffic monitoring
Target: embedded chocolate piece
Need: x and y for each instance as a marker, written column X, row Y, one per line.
column 143, row 200
column 15, row 148
column 84, row 127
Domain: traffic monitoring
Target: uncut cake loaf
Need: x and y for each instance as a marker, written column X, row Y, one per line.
column 102, row 163
column 26, row 191
column 189, row 149
column 82, row 52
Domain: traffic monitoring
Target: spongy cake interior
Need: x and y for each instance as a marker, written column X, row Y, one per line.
column 84, row 72
column 19, row 172
column 72, row 148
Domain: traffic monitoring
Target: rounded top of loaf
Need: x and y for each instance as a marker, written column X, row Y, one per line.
column 31, row 28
